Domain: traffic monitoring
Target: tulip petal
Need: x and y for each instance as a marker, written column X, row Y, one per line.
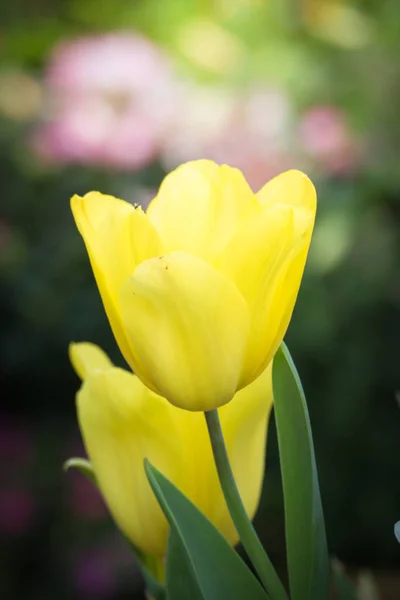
column 122, row 422
column 199, row 207
column 291, row 187
column 87, row 358
column 266, row 260
column 118, row 237
column 256, row 250
column 189, row 326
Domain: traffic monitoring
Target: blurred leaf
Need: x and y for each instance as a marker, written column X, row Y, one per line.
column 218, row 570
column 25, row 43
column 343, row 587
column 83, row 466
column 307, row 553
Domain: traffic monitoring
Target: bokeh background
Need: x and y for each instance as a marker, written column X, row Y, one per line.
column 111, row 95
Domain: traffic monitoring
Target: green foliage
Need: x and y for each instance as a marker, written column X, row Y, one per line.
column 307, row 553
column 216, row 569
column 83, row 466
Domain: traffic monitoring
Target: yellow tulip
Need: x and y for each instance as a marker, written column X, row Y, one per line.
column 122, row 422
column 199, row 291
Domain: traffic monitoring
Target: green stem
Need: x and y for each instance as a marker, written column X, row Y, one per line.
column 244, row 526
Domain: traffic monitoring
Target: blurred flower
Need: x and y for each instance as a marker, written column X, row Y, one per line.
column 249, row 131
column 109, row 102
column 199, row 291
column 210, row 46
column 122, row 422
column 338, row 23
column 17, row 510
column 202, row 116
column 326, row 138
column 256, row 139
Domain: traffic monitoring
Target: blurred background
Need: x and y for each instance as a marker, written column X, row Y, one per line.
column 111, row 95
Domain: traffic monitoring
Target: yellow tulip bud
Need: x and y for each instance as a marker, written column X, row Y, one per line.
column 122, row 422
column 200, row 290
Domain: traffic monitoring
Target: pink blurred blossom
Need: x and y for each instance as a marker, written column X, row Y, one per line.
column 325, row 137
column 249, row 131
column 109, row 102
column 17, row 511
column 257, row 137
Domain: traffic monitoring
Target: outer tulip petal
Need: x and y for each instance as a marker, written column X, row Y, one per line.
column 123, row 422
column 189, row 325
column 87, row 358
column 274, row 307
column 256, row 250
column 266, row 261
column 199, row 207
column 292, row 187
column 274, row 304
column 118, row 237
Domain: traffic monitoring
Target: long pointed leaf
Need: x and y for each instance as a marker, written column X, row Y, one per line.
column 181, row 578
column 219, row 570
column 307, row 554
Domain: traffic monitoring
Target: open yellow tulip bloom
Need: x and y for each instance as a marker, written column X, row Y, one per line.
column 200, row 290
column 122, row 422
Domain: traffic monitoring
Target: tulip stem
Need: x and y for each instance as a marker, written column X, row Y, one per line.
column 248, row 536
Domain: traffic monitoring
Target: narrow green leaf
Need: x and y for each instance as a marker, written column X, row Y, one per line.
column 82, row 465
column 219, row 571
column 306, row 547
column 343, row 587
column 181, row 577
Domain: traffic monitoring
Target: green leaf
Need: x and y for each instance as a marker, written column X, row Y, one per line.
column 218, row 570
column 307, row 554
column 181, row 578
column 82, row 465
column 343, row 587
